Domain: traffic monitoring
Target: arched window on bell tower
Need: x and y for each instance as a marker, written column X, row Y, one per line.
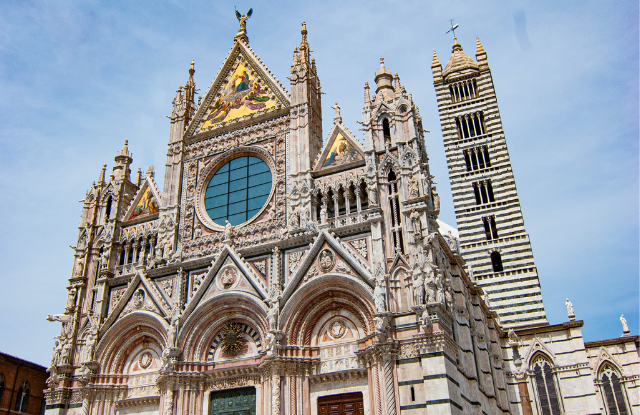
column 396, row 216
column 496, row 261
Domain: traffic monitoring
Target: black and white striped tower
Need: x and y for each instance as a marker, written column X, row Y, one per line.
column 493, row 240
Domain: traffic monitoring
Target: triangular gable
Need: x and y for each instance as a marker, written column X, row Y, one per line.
column 388, row 161
column 228, row 257
column 146, row 202
column 605, row 357
column 343, row 262
column 151, row 301
column 399, row 262
column 244, row 88
column 341, row 150
column 538, row 346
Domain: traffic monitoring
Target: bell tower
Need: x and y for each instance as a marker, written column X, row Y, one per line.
column 493, row 240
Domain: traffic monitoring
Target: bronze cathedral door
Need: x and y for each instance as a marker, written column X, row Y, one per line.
column 343, row 404
column 233, row 402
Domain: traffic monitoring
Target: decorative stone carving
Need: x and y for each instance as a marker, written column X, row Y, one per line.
column 138, row 298
column 327, row 260
column 294, row 260
column 232, row 339
column 360, row 245
column 145, row 360
column 379, row 294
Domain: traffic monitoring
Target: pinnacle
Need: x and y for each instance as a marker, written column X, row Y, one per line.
column 435, row 62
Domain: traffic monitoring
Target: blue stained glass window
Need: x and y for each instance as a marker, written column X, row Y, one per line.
column 238, row 190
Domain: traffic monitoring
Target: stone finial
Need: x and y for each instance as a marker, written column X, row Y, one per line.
column 139, row 181
column 396, row 82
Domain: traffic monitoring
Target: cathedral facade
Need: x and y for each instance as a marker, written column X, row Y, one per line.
column 284, row 271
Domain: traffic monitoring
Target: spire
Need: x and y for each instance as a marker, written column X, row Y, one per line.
column 139, row 180
column 459, row 61
column 304, row 45
column 367, row 96
column 481, row 55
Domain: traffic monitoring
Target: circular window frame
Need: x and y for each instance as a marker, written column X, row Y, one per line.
column 214, row 166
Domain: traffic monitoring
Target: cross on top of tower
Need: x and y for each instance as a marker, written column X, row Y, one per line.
column 453, row 28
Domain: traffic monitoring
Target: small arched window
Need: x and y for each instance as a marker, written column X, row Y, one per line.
column 413, row 394
column 496, row 261
column 22, row 399
column 386, row 131
column 107, row 209
column 545, row 387
column 613, row 392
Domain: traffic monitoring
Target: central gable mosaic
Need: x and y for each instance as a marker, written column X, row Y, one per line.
column 244, row 93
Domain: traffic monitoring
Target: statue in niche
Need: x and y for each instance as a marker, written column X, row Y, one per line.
column 418, row 287
column 294, row 219
column 79, row 267
column 379, row 296
column 373, row 195
column 412, row 185
column 415, row 221
column 323, row 213
column 425, row 321
column 436, row 201
column 171, row 333
column 569, row 306
column 272, row 314
column 71, row 300
column 439, row 284
column 104, row 259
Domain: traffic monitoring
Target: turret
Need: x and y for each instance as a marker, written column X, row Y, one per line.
column 183, row 110
column 384, row 82
column 123, row 159
column 305, row 140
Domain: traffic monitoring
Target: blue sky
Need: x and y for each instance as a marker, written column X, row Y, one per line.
column 80, row 77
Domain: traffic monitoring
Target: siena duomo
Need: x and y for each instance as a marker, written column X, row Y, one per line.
column 287, row 270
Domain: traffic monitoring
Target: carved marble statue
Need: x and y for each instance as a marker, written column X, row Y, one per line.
column 379, row 296
column 425, row 321
column 625, row 326
column 79, row 267
column 272, row 314
column 171, row 334
column 71, row 299
column 418, row 287
column 569, row 306
column 228, row 230
column 436, row 201
column 412, row 186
